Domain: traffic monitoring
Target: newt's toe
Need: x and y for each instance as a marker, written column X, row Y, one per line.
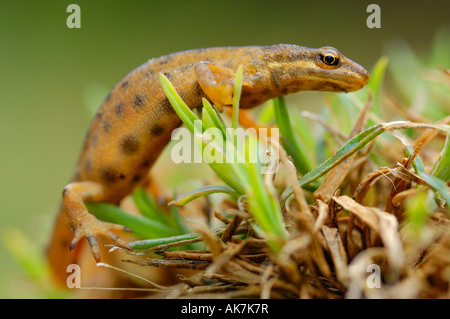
column 91, row 228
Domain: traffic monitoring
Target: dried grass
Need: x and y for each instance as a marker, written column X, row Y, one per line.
column 333, row 249
column 351, row 238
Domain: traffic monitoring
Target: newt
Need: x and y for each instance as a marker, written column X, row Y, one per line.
column 136, row 120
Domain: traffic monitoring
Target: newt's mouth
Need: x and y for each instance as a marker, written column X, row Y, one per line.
column 358, row 79
column 364, row 77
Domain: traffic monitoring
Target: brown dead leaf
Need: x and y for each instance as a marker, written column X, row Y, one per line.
column 337, row 251
column 384, row 224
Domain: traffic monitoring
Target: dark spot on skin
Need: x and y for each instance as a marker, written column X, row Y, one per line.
column 65, row 243
column 124, row 84
column 139, row 100
column 136, row 178
column 186, row 67
column 86, row 137
column 80, row 224
column 108, row 175
column 87, row 166
column 94, row 140
column 254, row 101
column 99, row 115
column 119, row 108
column 146, row 164
column 245, row 93
column 129, row 145
column 65, row 190
column 165, row 104
column 320, row 85
column 156, row 130
column 122, row 176
column 168, row 75
column 266, row 91
column 285, row 90
column 106, row 126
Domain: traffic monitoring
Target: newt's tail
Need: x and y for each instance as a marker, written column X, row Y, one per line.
column 58, row 252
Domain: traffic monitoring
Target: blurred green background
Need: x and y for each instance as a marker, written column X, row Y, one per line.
column 49, row 74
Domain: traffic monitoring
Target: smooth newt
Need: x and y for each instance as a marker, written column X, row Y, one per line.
column 136, row 120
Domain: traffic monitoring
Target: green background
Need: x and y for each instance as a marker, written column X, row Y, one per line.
column 49, row 74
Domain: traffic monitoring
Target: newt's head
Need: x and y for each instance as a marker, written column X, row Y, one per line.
column 341, row 73
column 296, row 68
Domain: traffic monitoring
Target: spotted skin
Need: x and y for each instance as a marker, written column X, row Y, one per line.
column 136, row 120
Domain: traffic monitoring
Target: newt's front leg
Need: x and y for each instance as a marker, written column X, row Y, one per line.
column 217, row 82
column 85, row 224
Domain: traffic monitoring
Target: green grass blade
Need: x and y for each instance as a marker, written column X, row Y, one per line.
column 290, row 140
column 441, row 168
column 263, row 204
column 178, row 220
column 222, row 168
column 348, row 149
column 215, row 120
column 375, row 83
column 439, row 187
column 184, row 112
column 149, row 243
column 140, row 225
column 203, row 191
column 148, row 208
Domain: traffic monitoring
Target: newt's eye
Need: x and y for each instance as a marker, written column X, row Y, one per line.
column 328, row 57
